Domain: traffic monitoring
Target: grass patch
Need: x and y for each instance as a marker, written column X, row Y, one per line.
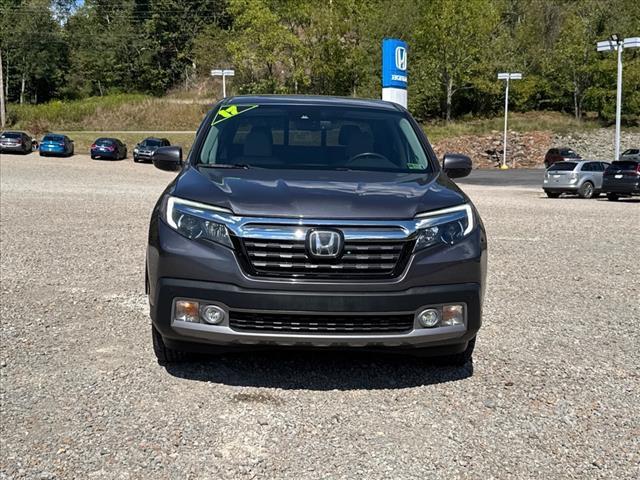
column 109, row 113
column 555, row 122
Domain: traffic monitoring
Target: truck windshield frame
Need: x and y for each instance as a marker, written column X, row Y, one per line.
column 313, row 137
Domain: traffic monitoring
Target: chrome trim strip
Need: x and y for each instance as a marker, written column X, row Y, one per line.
column 282, row 228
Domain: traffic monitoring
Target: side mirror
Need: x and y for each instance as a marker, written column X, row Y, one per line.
column 456, row 165
column 167, row 158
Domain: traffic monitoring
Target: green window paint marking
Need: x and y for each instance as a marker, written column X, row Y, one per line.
column 230, row 112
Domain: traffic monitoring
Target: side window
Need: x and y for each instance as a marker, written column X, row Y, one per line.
column 587, row 167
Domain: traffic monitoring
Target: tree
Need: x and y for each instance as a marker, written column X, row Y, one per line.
column 452, row 41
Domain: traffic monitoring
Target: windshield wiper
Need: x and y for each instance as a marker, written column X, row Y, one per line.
column 242, row 166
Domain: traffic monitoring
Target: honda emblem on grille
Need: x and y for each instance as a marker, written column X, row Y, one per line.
column 324, row 243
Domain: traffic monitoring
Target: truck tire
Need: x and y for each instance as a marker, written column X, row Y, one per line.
column 164, row 354
column 457, row 359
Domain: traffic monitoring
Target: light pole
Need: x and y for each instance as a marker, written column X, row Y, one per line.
column 507, row 76
column 619, row 44
column 224, row 74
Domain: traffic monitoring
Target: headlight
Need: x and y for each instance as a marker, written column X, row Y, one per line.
column 135, row 150
column 447, row 226
column 197, row 220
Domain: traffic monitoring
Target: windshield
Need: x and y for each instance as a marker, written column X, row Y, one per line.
column 562, row 166
column 104, row 142
column 313, row 138
column 53, row 138
column 631, row 151
column 151, row 142
column 11, row 135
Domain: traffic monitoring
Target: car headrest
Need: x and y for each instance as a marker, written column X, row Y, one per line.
column 346, row 133
column 258, row 143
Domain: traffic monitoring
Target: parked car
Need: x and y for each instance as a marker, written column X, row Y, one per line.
column 18, row 142
column 314, row 222
column 559, row 155
column 55, row 144
column 143, row 150
column 622, row 179
column 583, row 178
column 630, row 154
column 109, row 148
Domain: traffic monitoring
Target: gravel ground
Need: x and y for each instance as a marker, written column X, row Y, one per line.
column 554, row 391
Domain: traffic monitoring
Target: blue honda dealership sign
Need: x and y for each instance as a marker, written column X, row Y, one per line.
column 394, row 70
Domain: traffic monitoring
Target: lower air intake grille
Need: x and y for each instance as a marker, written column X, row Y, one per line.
column 323, row 323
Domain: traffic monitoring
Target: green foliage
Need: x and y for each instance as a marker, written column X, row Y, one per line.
column 66, row 49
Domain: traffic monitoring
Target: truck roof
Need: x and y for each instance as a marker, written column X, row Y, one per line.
column 311, row 100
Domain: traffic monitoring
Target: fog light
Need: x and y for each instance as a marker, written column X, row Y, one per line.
column 429, row 317
column 453, row 315
column 187, row 311
column 213, row 314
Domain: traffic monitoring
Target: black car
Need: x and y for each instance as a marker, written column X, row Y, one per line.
column 143, row 150
column 314, row 222
column 108, row 148
column 622, row 179
column 17, row 142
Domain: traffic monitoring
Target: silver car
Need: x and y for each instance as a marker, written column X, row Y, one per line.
column 630, row 154
column 581, row 177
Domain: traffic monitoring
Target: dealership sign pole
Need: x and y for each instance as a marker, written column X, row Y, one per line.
column 394, row 71
column 224, row 74
column 507, row 77
column 618, row 44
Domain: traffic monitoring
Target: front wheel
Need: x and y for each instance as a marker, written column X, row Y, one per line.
column 586, row 190
column 457, row 359
column 613, row 197
column 164, row 354
column 552, row 194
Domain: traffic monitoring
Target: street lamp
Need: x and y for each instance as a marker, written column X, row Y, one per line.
column 507, row 76
column 224, row 74
column 619, row 44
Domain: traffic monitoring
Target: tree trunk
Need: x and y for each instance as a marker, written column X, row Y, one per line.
column 22, row 87
column 3, row 118
column 6, row 80
column 577, row 107
column 449, row 99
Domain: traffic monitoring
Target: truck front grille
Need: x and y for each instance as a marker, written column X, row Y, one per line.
column 323, row 323
column 361, row 259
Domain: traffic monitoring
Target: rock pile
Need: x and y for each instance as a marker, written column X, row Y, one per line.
column 528, row 148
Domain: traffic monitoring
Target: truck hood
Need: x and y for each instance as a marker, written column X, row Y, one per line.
column 318, row 194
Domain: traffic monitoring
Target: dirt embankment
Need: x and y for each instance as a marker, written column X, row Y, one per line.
column 528, row 148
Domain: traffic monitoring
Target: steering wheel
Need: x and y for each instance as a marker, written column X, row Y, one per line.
column 366, row 154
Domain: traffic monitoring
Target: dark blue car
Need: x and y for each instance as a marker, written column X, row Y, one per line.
column 56, row 145
column 108, row 148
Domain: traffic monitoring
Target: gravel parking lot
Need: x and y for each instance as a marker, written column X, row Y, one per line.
column 554, row 391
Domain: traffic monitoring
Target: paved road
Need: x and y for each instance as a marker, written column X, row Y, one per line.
column 521, row 177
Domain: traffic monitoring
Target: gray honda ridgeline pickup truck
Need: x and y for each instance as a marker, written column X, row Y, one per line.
column 314, row 222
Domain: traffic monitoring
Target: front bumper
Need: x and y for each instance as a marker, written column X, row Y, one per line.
column 330, row 302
